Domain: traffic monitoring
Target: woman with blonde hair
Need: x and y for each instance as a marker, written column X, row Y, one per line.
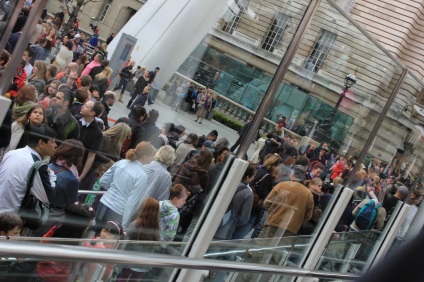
column 125, row 182
column 38, row 77
column 102, row 80
column 114, row 138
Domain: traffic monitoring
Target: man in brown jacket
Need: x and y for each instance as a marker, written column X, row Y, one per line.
column 289, row 204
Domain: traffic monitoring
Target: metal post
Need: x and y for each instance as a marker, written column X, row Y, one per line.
column 278, row 78
column 21, row 45
column 377, row 126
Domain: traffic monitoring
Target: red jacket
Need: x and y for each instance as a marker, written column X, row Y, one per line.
column 337, row 169
column 19, row 80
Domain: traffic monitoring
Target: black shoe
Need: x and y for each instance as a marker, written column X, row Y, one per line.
column 128, row 107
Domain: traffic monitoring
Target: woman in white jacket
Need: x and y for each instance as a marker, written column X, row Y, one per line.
column 35, row 116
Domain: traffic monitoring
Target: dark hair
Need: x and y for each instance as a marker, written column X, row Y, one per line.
column 77, row 219
column 177, row 191
column 302, row 160
column 153, row 115
column 71, row 151
column 157, row 68
column 55, row 82
column 105, row 63
column 42, row 40
column 114, row 228
column 40, row 132
column 93, row 88
column 318, row 165
column 203, row 159
column 86, row 81
column 30, row 52
column 98, row 108
column 9, row 220
column 67, row 94
column 81, row 95
column 146, row 219
column 36, row 106
column 192, row 138
column 250, row 171
column 137, row 112
column 69, row 45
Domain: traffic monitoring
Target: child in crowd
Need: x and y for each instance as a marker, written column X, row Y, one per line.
column 111, row 231
column 169, row 215
column 10, row 224
column 145, row 227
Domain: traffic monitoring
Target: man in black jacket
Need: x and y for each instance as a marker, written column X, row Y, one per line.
column 242, row 133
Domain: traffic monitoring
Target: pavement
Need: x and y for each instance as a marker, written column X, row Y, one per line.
column 178, row 118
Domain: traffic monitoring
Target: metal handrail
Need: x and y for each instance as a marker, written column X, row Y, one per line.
column 90, row 192
column 82, row 254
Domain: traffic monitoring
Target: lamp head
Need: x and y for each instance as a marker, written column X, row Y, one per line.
column 350, row 80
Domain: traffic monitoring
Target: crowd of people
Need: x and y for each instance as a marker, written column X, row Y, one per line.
column 56, row 139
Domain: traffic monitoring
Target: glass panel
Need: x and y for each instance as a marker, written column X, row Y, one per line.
column 389, row 177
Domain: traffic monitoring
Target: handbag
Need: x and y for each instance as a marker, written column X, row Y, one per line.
column 33, row 212
column 258, row 203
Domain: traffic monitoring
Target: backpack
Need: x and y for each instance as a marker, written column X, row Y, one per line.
column 367, row 215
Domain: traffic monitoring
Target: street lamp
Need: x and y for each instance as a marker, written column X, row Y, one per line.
column 323, row 132
column 93, row 23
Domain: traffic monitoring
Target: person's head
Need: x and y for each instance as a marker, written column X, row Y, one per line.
column 146, row 74
column 83, row 59
column 81, row 95
column 98, row 58
column 153, row 115
column 402, row 192
column 4, row 58
column 271, row 163
column 26, row 94
column 166, row 155
column 178, row 195
column 146, row 219
column 71, row 152
column 105, row 63
column 315, row 186
column 73, row 73
column 51, row 72
column 249, row 174
column 414, row 198
column 43, row 41
column 208, row 145
column 118, row 134
column 91, row 109
column 112, row 230
column 302, row 160
column 213, row 135
column 41, row 138
column 132, row 64
column 317, row 169
column 146, row 89
column 52, row 87
column 192, row 139
column 221, row 153
column 138, row 113
column 69, row 45
column 71, row 65
column 28, row 54
column 298, row 173
column 109, row 97
column 35, row 116
column 143, row 152
column 85, row 81
column 157, row 69
column 64, row 97
column 65, row 39
column 203, row 159
column 10, row 224
column 222, row 142
column 337, row 181
column 40, row 69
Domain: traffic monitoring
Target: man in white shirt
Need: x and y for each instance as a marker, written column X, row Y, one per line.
column 16, row 165
column 27, row 56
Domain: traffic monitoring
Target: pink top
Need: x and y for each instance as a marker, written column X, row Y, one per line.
column 89, row 67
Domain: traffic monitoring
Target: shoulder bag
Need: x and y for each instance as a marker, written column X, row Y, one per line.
column 33, row 212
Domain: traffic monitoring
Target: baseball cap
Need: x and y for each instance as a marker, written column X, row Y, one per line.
column 209, row 145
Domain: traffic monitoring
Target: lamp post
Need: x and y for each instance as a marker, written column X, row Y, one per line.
column 323, row 132
column 93, row 23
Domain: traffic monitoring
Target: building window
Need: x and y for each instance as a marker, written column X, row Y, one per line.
column 346, row 5
column 275, row 32
column 105, row 9
column 321, row 49
column 233, row 14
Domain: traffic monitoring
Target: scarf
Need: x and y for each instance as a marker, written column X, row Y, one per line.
column 72, row 168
